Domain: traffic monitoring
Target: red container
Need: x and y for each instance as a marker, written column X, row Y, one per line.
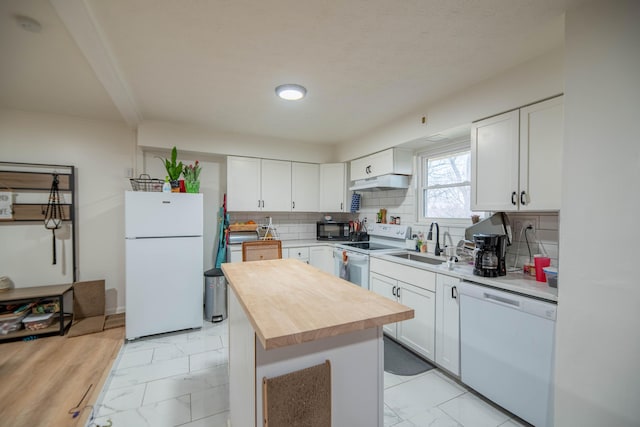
column 541, row 262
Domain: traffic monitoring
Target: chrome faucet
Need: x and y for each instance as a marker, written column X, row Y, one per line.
column 444, row 239
column 437, row 250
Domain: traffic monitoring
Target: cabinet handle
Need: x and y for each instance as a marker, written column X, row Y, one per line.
column 398, row 292
column 293, row 205
column 393, row 291
column 522, row 198
column 341, row 206
column 514, row 195
column 258, row 203
column 454, row 292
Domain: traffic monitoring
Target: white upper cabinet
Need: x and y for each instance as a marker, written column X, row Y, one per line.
column 305, row 187
column 276, row 185
column 243, row 184
column 258, row 185
column 393, row 160
column 541, row 136
column 255, row 185
column 333, row 187
column 516, row 158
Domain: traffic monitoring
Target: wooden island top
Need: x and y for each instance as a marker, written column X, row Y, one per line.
column 289, row 302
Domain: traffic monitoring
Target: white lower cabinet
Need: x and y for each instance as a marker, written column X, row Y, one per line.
column 321, row 257
column 297, row 252
column 417, row 333
column 386, row 287
column 318, row 256
column 235, row 253
column 448, row 323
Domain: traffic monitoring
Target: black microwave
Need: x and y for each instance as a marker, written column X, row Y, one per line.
column 332, row 230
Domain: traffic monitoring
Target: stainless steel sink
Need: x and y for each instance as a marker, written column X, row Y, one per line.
column 419, row 258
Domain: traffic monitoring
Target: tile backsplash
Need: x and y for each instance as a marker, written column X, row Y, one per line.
column 289, row 225
column 542, row 239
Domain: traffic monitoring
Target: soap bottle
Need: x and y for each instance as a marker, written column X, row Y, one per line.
column 166, row 187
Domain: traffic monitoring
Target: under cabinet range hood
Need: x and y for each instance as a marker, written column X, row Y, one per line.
column 383, row 182
column 498, row 223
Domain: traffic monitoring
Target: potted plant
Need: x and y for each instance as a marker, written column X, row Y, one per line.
column 174, row 170
column 192, row 177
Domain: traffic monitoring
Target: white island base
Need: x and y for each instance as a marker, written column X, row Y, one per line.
column 357, row 365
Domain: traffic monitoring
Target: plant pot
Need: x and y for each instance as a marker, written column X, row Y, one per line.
column 192, row 186
column 175, row 186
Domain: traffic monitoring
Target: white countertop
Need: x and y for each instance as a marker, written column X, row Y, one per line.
column 294, row 243
column 306, row 242
column 515, row 282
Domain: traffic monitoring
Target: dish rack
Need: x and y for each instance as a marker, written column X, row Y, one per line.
column 268, row 231
column 145, row 183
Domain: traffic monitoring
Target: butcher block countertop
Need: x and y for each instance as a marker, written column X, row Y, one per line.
column 289, row 302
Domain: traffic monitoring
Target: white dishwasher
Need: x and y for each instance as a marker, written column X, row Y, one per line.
column 507, row 350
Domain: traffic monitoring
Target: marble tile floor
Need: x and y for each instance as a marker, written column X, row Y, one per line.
column 181, row 379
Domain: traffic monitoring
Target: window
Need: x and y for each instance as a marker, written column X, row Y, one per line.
column 445, row 190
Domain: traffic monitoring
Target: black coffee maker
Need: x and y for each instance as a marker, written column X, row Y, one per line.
column 491, row 250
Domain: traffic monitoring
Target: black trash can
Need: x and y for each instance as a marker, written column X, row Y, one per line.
column 215, row 295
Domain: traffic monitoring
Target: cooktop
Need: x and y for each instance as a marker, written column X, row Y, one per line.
column 370, row 246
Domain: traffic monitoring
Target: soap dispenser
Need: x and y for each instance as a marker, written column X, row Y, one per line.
column 166, row 187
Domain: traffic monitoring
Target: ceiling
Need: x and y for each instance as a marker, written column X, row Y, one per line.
column 215, row 64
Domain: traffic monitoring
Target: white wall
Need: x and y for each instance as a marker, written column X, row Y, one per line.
column 598, row 342
column 101, row 151
column 531, row 81
column 164, row 135
column 213, row 182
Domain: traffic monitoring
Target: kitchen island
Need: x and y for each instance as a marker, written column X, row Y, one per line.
column 284, row 316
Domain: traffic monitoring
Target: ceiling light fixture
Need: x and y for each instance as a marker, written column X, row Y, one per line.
column 291, row 92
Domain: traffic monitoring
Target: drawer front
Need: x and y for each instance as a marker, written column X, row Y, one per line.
column 299, row 253
column 416, row 276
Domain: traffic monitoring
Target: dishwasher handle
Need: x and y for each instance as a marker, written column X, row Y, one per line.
column 498, row 299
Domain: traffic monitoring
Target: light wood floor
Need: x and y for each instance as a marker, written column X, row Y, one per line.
column 41, row 380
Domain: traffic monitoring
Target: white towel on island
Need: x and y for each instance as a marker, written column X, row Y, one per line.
column 344, row 270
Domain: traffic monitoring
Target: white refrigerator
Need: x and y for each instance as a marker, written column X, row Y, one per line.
column 163, row 262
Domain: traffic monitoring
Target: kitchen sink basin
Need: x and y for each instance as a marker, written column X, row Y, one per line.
column 419, row 258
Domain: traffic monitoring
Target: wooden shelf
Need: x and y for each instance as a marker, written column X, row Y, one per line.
column 35, row 212
column 53, row 329
column 33, row 180
column 30, row 183
column 38, row 293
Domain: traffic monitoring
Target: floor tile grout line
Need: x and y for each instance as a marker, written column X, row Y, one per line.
column 447, row 412
column 205, row 367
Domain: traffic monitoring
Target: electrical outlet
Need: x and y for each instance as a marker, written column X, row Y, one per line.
column 524, row 222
